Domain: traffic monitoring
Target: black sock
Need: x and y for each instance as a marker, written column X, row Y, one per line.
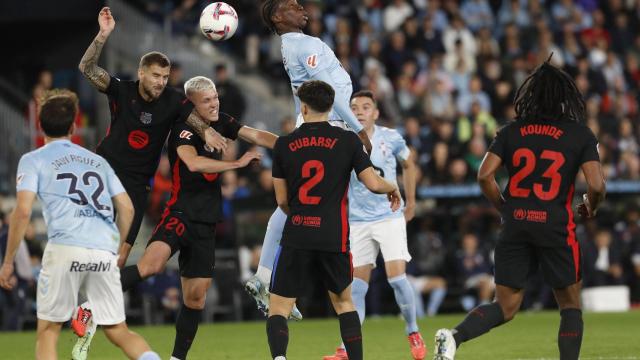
column 570, row 334
column 351, row 332
column 278, row 335
column 129, row 277
column 186, row 328
column 479, row 321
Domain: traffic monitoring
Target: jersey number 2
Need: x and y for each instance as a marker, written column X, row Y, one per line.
column 86, row 179
column 529, row 158
column 303, row 192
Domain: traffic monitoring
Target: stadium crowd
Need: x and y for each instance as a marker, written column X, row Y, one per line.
column 445, row 72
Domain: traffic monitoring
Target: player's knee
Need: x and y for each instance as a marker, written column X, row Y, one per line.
column 196, row 299
column 150, row 268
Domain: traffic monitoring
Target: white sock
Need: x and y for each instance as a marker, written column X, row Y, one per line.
column 264, row 275
column 149, row 355
column 174, row 358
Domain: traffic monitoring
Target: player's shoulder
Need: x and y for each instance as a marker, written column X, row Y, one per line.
column 300, row 42
column 175, row 95
column 388, row 133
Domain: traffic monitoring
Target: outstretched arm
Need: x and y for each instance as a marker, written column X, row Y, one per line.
column 201, row 164
column 258, row 137
column 409, row 173
column 98, row 76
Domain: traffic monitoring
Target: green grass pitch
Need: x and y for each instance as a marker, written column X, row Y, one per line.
column 530, row 336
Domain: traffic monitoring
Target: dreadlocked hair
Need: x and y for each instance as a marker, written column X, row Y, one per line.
column 549, row 94
column 268, row 7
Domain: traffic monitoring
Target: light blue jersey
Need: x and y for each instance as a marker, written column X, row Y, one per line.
column 75, row 187
column 308, row 58
column 365, row 206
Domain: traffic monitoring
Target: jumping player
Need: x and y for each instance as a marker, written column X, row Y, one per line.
column 375, row 228
column 188, row 223
column 304, row 58
column 311, row 170
column 543, row 150
column 80, row 194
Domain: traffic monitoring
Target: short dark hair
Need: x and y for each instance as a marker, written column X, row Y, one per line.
column 155, row 58
column 367, row 94
column 59, row 108
column 317, row 94
column 268, row 8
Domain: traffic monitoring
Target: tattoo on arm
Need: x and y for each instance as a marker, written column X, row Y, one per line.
column 197, row 124
column 98, row 76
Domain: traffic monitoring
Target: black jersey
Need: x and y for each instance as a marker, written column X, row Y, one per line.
column 195, row 194
column 139, row 129
column 316, row 160
column 542, row 160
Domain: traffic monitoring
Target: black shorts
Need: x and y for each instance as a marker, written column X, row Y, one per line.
column 195, row 240
column 518, row 255
column 293, row 268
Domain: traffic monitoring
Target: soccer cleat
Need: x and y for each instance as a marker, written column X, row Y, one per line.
column 295, row 313
column 445, row 345
column 258, row 291
column 341, row 354
column 260, row 294
column 418, row 349
column 81, row 348
column 79, row 324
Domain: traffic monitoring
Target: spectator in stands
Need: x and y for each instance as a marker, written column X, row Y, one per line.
column 176, row 76
column 13, row 303
column 474, row 271
column 477, row 13
column 231, row 97
column 602, row 261
column 395, row 14
column 475, row 94
column 426, row 268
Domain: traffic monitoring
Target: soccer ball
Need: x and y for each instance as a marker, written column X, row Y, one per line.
column 218, row 21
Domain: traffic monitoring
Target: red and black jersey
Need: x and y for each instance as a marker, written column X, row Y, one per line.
column 316, row 160
column 542, row 160
column 139, row 129
column 195, row 194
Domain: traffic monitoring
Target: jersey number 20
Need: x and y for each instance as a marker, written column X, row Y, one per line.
column 303, row 192
column 527, row 159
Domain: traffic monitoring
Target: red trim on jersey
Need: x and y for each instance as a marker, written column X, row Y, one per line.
column 344, row 205
column 175, row 185
column 571, row 236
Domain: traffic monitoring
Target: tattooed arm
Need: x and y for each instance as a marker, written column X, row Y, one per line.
column 99, row 77
column 206, row 133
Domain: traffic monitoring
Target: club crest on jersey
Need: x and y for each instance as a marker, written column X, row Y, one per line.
column 312, row 61
column 146, row 118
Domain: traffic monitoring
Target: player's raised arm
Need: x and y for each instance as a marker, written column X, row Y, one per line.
column 99, row 77
column 18, row 223
column 201, row 164
column 487, row 179
column 258, row 137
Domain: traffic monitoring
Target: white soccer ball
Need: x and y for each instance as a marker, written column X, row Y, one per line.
column 218, row 21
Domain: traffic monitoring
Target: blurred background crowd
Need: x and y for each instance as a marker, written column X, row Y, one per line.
column 444, row 73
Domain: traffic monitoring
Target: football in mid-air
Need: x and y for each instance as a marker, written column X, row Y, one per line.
column 218, row 21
